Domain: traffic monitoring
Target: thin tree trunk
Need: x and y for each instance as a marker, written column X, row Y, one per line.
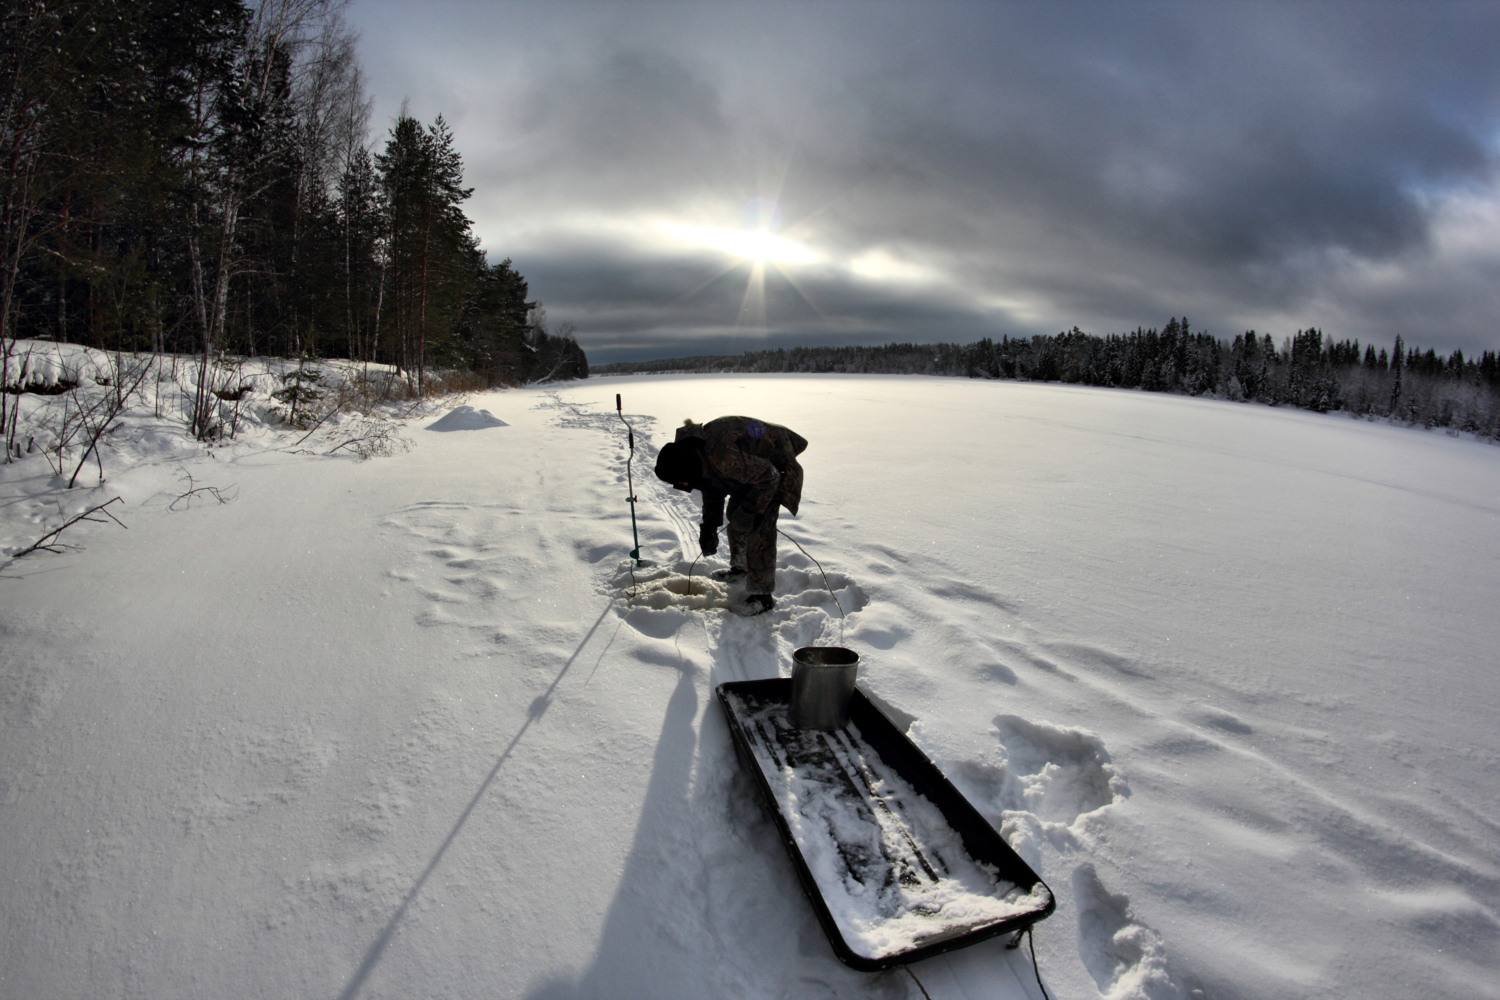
column 422, row 300
column 62, row 274
column 200, row 307
column 95, row 233
column 348, row 283
column 375, row 334
column 7, row 299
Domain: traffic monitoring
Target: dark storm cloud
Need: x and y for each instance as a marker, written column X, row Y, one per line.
column 976, row 169
column 633, row 127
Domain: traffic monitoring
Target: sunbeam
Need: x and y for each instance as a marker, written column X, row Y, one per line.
column 757, row 244
column 753, row 305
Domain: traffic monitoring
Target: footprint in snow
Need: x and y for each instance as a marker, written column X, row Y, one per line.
column 1048, row 778
column 1125, row 957
column 1059, row 772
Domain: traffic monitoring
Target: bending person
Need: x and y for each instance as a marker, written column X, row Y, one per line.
column 753, row 465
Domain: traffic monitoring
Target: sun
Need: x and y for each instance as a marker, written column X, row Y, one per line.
column 758, row 245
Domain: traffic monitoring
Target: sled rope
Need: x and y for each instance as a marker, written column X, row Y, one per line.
column 1031, row 943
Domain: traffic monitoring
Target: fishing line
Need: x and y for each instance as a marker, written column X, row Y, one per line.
column 831, row 594
column 809, row 555
column 826, row 584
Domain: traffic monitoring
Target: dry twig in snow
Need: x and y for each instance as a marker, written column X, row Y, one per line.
column 194, row 490
column 54, row 546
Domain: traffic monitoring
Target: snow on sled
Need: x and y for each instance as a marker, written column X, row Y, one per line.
column 895, row 861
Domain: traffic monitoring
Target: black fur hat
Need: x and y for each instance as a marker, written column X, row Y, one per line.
column 678, row 463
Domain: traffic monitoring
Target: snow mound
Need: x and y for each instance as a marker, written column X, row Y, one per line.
column 466, row 418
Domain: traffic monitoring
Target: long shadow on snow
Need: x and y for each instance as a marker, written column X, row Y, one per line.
column 654, row 942
column 630, row 957
column 534, row 713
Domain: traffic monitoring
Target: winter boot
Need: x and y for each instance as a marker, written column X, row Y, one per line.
column 728, row 575
column 758, row 604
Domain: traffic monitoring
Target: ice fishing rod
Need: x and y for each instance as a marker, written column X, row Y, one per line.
column 635, row 553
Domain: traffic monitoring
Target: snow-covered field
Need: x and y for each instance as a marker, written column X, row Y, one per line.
column 1225, row 675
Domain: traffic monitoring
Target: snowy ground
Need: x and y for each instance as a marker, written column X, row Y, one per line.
column 1225, row 675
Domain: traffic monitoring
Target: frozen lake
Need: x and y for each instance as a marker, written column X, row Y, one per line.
column 1224, row 675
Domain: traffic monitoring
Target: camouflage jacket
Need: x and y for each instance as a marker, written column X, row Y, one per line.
column 748, row 461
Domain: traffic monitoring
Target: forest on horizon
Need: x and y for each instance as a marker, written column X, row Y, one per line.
column 1307, row 370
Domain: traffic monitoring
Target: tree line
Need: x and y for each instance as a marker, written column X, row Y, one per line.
column 197, row 176
column 1307, row 370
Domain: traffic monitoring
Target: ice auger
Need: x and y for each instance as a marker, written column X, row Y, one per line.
column 635, row 553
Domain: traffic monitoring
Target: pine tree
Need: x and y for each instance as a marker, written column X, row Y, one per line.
column 360, row 229
column 1396, row 368
column 434, row 258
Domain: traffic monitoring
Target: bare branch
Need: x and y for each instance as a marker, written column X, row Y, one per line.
column 315, row 427
column 194, row 490
column 49, row 543
column 111, row 406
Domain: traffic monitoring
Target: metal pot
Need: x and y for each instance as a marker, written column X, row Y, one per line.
column 822, row 684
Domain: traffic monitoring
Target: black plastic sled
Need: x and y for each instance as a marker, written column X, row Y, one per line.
column 897, row 864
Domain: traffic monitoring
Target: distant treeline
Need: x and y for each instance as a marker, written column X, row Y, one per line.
column 198, row 176
column 1308, row 370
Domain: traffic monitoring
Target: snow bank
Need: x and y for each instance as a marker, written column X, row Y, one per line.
column 466, row 418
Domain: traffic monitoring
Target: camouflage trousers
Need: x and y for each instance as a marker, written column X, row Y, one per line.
column 754, row 552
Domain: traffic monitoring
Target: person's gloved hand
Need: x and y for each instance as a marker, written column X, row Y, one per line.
column 708, row 540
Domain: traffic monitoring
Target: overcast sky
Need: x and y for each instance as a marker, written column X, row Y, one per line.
column 685, row 178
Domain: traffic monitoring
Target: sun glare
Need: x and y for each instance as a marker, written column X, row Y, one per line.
column 755, row 242
column 758, row 245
